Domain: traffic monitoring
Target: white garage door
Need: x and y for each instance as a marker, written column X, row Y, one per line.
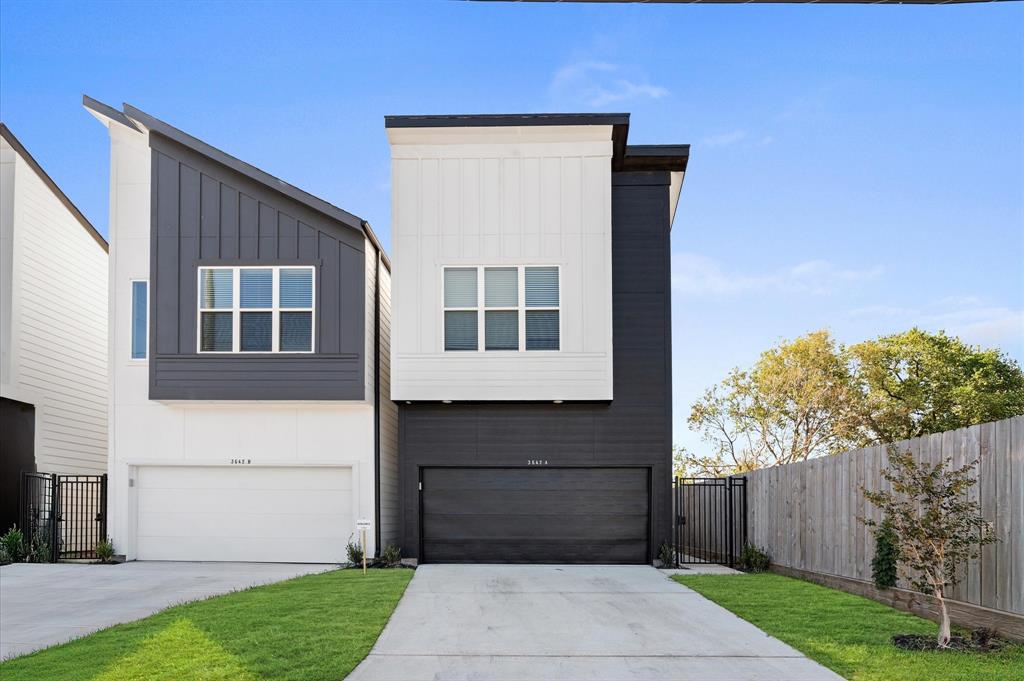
column 293, row 515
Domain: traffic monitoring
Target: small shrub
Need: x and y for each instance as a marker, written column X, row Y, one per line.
column 753, row 559
column 4, row 558
column 13, row 543
column 39, row 549
column 390, row 557
column 667, row 555
column 355, row 552
column 883, row 565
column 105, row 550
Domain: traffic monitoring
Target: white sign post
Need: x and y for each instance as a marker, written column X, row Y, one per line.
column 363, row 525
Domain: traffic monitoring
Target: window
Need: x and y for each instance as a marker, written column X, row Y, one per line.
column 542, row 308
column 460, row 308
column 140, row 319
column 520, row 308
column 256, row 309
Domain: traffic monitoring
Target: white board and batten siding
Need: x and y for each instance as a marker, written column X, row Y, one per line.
column 54, row 320
column 490, row 197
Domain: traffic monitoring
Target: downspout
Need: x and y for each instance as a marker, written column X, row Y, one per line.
column 376, row 400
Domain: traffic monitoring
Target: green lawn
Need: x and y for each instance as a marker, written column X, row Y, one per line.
column 847, row 633
column 314, row 627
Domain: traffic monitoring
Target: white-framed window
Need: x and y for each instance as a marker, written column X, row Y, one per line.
column 256, row 309
column 140, row 319
column 511, row 308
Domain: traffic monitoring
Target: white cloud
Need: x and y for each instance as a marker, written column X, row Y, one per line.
column 969, row 317
column 694, row 274
column 724, row 139
column 599, row 83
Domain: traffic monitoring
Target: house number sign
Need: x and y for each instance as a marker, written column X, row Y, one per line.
column 242, row 461
column 536, row 462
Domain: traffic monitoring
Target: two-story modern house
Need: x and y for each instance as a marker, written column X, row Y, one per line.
column 531, row 348
column 250, row 417
column 53, row 331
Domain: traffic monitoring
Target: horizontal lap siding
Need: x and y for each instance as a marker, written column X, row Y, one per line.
column 390, row 531
column 206, row 213
column 58, row 329
column 633, row 430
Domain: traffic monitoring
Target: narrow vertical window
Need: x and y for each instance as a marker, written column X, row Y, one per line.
column 542, row 303
column 460, row 309
column 140, row 319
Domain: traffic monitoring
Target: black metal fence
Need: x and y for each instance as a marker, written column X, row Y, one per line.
column 63, row 516
column 710, row 519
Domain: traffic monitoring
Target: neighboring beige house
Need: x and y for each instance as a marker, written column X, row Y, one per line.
column 53, row 329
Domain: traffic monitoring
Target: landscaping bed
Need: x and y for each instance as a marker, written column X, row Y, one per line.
column 313, row 627
column 850, row 634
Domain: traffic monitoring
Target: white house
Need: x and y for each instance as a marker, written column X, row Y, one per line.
column 250, row 412
column 53, row 330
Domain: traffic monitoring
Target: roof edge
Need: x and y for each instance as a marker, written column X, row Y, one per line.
column 158, row 126
column 504, row 120
column 671, row 157
column 98, row 107
column 6, row 133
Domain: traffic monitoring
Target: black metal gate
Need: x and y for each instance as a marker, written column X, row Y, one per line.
column 63, row 516
column 710, row 519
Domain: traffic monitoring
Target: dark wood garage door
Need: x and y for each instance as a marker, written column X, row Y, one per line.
column 535, row 515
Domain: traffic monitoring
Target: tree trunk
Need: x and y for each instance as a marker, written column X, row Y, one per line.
column 943, row 639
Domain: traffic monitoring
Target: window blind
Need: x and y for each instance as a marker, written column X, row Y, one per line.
column 542, row 330
column 296, row 288
column 296, row 332
column 217, row 288
column 460, row 287
column 460, row 330
column 257, row 331
column 501, row 330
column 501, row 287
column 256, row 288
column 541, row 287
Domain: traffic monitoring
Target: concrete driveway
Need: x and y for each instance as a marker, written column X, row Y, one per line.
column 591, row 623
column 41, row 605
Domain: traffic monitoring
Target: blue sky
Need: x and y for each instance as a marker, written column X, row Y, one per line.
column 859, row 168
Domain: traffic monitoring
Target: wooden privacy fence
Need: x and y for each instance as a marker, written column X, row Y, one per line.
column 806, row 514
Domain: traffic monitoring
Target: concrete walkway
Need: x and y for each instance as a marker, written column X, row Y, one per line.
column 41, row 605
column 587, row 623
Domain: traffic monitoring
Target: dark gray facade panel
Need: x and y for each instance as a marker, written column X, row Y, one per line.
column 634, row 430
column 205, row 214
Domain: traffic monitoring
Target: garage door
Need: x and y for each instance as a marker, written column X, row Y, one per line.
column 535, row 515
column 294, row 515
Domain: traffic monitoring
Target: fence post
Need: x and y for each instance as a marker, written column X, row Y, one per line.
column 55, row 518
column 729, row 519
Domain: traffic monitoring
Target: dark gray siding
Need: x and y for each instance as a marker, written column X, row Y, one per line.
column 204, row 213
column 633, row 430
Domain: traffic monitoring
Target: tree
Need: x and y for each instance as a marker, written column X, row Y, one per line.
column 936, row 527
column 812, row 397
column 915, row 383
column 792, row 405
